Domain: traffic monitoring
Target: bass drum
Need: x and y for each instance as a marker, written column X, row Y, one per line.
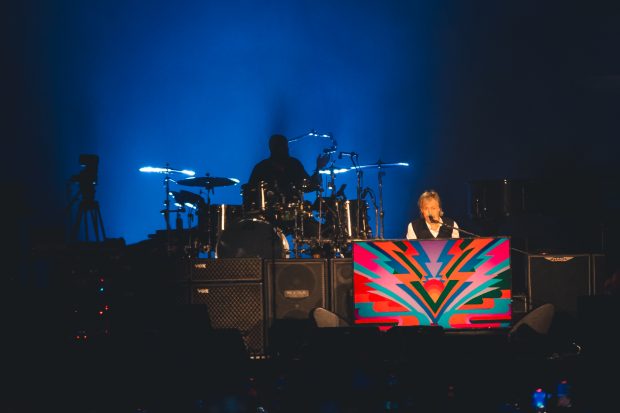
column 252, row 238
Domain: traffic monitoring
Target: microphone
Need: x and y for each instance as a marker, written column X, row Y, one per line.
column 443, row 224
column 349, row 154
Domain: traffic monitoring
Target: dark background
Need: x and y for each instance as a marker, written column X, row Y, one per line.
column 526, row 92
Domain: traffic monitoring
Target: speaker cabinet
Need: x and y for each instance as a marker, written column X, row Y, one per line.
column 559, row 280
column 341, row 288
column 236, row 305
column 298, row 286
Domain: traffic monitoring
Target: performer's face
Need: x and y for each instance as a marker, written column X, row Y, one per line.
column 430, row 207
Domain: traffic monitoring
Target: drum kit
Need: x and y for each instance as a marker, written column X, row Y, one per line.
column 267, row 218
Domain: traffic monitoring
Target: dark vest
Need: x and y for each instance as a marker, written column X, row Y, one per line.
column 422, row 232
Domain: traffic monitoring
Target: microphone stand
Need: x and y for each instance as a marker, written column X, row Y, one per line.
column 380, row 175
column 434, row 221
column 166, row 211
column 358, row 188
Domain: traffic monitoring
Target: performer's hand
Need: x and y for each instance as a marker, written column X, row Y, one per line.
column 321, row 161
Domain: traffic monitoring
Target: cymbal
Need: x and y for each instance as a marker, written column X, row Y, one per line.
column 334, row 169
column 166, row 170
column 208, row 181
column 187, row 197
column 382, row 165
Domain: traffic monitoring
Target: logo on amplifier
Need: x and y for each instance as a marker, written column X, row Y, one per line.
column 202, row 290
column 559, row 259
column 296, row 293
column 201, row 265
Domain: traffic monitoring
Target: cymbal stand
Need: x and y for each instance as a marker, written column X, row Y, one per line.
column 340, row 233
column 380, row 175
column 166, row 210
column 298, row 226
column 319, row 197
column 376, row 208
column 209, row 247
column 190, row 228
column 337, row 223
column 358, row 188
column 331, row 185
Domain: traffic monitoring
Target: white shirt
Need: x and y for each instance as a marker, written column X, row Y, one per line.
column 411, row 233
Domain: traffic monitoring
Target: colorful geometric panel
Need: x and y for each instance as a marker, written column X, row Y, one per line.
column 457, row 283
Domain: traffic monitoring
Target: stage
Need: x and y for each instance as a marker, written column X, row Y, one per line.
column 122, row 328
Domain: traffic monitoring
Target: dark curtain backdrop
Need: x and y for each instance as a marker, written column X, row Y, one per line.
column 463, row 91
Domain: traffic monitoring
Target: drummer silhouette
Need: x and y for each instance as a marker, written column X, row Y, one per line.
column 275, row 186
column 283, row 174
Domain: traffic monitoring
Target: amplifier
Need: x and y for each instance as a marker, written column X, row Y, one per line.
column 559, row 280
column 226, row 269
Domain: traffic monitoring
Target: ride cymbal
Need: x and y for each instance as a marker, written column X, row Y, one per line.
column 208, row 181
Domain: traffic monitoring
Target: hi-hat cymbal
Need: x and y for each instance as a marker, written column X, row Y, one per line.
column 380, row 164
column 167, row 170
column 208, row 181
column 187, row 197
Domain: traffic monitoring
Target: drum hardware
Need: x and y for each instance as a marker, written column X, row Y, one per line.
column 358, row 230
column 289, row 215
column 286, row 212
column 258, row 200
column 167, row 171
column 209, row 183
column 332, row 171
column 358, row 188
column 187, row 202
column 330, row 216
column 314, row 133
column 380, row 166
column 331, row 233
column 369, row 192
column 207, row 247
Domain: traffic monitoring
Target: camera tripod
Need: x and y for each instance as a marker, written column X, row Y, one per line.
column 87, row 208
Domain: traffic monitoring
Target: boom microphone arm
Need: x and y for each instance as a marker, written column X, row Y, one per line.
column 433, row 220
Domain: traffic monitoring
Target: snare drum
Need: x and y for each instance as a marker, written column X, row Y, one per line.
column 252, row 237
